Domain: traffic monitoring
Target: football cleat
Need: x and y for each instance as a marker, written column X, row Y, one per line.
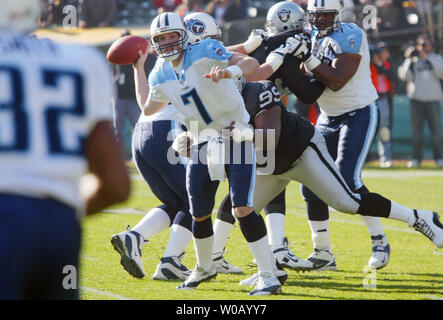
column 223, row 266
column 171, row 268
column 265, row 284
column 429, row 224
column 287, row 259
column 129, row 245
column 279, row 272
column 322, row 260
column 380, row 252
column 197, row 276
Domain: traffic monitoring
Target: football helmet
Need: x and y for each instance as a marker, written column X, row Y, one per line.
column 285, row 16
column 202, row 26
column 168, row 22
column 317, row 7
column 20, row 15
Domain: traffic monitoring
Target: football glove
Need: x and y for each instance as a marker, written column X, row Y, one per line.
column 300, row 46
column 182, row 144
column 255, row 40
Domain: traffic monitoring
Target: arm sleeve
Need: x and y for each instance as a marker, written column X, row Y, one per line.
column 307, row 89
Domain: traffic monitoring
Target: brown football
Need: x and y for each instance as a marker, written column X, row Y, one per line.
column 125, row 50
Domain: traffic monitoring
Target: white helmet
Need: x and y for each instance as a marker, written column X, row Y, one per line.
column 20, row 15
column 324, row 6
column 168, row 22
column 285, row 16
column 202, row 26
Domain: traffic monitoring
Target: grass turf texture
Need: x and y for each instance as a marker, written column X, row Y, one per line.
column 414, row 271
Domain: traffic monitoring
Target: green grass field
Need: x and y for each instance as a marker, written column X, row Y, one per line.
column 414, row 272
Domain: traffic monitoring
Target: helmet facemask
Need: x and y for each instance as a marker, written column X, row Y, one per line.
column 163, row 51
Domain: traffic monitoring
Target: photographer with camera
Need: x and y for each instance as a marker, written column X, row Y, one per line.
column 422, row 70
column 383, row 79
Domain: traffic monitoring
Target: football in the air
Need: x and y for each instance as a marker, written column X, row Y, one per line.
column 125, row 50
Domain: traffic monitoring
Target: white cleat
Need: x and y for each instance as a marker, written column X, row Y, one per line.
column 129, row 245
column 197, row 276
column 265, row 284
column 429, row 224
column 381, row 251
column 278, row 270
column 223, row 266
column 287, row 259
column 171, row 268
column 322, row 260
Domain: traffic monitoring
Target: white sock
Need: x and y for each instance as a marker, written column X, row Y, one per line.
column 203, row 251
column 261, row 251
column 373, row 224
column 400, row 213
column 178, row 240
column 222, row 231
column 155, row 221
column 320, row 234
column 275, row 224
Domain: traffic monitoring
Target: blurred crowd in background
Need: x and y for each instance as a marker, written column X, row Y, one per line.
column 406, row 38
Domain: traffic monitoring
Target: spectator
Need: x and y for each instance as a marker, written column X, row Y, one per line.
column 126, row 107
column 422, row 70
column 383, row 79
column 166, row 5
column 189, row 6
column 97, row 13
column 225, row 10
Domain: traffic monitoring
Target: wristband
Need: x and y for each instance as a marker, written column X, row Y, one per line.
column 251, row 44
column 235, row 71
column 312, row 62
column 275, row 60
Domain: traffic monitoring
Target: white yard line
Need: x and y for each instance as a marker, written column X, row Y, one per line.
column 104, row 293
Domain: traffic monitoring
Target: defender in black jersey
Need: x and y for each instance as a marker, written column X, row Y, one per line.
column 301, row 155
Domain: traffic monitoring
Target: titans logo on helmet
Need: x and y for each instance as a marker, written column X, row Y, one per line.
column 197, row 27
column 284, row 15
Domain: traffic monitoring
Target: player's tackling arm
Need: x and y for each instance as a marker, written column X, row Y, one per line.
column 106, row 163
column 340, row 72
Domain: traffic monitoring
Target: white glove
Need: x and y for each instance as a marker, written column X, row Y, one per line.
column 182, row 144
column 300, row 46
column 276, row 57
column 242, row 132
column 255, row 40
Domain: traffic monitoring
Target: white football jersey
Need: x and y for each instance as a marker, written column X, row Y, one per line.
column 202, row 102
column 51, row 97
column 359, row 91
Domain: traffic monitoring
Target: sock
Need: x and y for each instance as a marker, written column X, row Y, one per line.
column 254, row 230
column 203, row 251
column 222, row 230
column 373, row 224
column 320, row 234
column 155, row 221
column 400, row 213
column 178, row 240
column 275, row 224
column 203, row 236
column 261, row 251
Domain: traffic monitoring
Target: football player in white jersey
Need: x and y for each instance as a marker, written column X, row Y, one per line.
column 55, row 126
column 198, row 81
column 348, row 120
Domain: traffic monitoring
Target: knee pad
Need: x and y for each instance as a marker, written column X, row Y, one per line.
column 225, row 212
column 170, row 211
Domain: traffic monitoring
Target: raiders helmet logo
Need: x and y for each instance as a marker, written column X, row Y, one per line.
column 284, row 15
column 197, row 27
